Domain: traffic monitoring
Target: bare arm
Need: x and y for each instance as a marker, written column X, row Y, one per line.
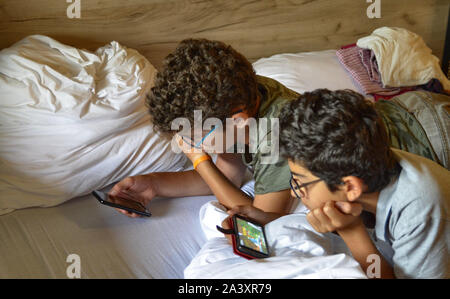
column 279, row 202
column 229, row 195
column 361, row 247
column 178, row 184
column 143, row 188
column 190, row 183
column 346, row 221
column 232, row 167
column 225, row 191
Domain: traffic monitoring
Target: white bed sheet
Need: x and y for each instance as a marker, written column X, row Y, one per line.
column 36, row 242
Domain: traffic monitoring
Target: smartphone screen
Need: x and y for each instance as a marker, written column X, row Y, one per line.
column 121, row 203
column 251, row 236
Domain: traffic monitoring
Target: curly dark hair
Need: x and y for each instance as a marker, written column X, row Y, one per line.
column 335, row 134
column 201, row 75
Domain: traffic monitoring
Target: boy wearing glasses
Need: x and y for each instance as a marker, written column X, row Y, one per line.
column 212, row 78
column 343, row 169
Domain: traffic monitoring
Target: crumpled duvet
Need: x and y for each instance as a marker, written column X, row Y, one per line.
column 403, row 58
column 297, row 251
column 72, row 121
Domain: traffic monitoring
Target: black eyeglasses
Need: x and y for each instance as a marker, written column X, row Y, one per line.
column 300, row 190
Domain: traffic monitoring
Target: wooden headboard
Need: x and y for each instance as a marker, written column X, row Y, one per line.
column 255, row 28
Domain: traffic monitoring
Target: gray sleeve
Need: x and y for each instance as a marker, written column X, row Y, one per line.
column 420, row 244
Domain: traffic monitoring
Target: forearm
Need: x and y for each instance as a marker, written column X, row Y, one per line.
column 361, row 246
column 224, row 190
column 179, row 184
column 231, row 166
column 190, row 183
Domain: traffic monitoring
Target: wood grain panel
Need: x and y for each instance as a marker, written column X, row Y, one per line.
column 255, row 28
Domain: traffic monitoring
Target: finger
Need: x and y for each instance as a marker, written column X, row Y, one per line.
column 313, row 221
column 129, row 214
column 123, row 211
column 179, row 140
column 333, row 213
column 354, row 209
column 240, row 210
column 226, row 225
column 324, row 220
column 132, row 215
column 121, row 186
column 130, row 195
column 181, row 144
column 357, row 209
column 185, row 147
column 123, row 195
column 120, row 211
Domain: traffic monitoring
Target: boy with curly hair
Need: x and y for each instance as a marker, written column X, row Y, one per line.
column 211, row 77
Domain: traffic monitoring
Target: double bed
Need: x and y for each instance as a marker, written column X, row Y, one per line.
column 35, row 242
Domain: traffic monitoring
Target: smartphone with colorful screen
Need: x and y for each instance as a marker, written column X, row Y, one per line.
column 249, row 239
column 121, row 203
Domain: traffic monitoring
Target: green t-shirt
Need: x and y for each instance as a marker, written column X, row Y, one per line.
column 275, row 175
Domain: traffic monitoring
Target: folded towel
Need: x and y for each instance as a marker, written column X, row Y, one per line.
column 350, row 58
column 369, row 62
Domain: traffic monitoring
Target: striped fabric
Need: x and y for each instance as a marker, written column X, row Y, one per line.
column 350, row 58
column 369, row 62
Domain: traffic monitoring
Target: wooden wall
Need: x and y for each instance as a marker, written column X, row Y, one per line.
column 256, row 28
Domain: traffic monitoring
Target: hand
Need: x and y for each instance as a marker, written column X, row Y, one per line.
column 138, row 188
column 250, row 212
column 335, row 216
column 191, row 153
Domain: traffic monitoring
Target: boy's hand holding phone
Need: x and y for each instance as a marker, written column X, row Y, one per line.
column 137, row 188
column 249, row 212
column 254, row 214
column 247, row 237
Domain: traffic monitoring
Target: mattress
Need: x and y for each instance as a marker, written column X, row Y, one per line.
column 36, row 242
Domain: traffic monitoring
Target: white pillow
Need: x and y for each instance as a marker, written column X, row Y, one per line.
column 72, row 121
column 306, row 71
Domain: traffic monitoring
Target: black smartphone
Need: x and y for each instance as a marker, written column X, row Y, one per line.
column 250, row 239
column 121, row 203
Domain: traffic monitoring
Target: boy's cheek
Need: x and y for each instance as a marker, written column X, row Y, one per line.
column 310, row 204
column 316, row 201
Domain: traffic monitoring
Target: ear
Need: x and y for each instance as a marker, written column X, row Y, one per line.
column 241, row 114
column 240, row 118
column 244, row 113
column 353, row 187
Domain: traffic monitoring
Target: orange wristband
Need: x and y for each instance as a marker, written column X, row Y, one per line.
column 201, row 159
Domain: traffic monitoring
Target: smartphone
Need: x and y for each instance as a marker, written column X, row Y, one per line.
column 121, row 203
column 249, row 239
